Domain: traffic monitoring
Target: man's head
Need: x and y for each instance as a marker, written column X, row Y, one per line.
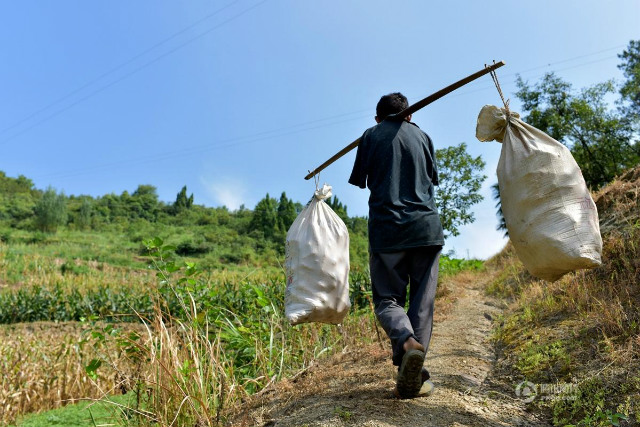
column 391, row 104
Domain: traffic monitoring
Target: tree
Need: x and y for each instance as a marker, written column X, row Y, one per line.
column 599, row 137
column 630, row 90
column 502, row 224
column 50, row 211
column 460, row 181
column 182, row 201
column 286, row 213
column 265, row 217
column 338, row 208
column 83, row 219
column 143, row 203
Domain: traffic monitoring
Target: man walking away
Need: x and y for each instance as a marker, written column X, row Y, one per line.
column 396, row 161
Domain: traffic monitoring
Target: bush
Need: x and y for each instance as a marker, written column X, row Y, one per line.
column 50, row 211
column 190, row 248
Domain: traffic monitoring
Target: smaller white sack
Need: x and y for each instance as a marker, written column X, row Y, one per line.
column 551, row 217
column 317, row 264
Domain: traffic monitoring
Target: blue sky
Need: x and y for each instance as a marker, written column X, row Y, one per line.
column 239, row 98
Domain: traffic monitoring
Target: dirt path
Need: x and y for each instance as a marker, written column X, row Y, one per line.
column 355, row 388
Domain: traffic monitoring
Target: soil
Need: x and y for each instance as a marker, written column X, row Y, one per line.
column 356, row 386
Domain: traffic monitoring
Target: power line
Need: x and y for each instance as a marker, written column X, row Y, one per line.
column 491, row 86
column 129, row 74
column 118, row 67
column 290, row 130
column 570, row 59
column 231, row 142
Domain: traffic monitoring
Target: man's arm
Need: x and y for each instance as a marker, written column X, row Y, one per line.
column 434, row 175
column 359, row 173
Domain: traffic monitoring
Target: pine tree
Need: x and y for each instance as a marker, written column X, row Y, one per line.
column 286, row 212
column 182, row 201
column 265, row 217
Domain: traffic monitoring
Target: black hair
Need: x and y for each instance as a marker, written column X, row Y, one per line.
column 391, row 104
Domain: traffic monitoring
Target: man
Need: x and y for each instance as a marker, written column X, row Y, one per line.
column 396, row 161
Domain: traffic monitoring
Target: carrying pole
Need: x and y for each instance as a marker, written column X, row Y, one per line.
column 412, row 109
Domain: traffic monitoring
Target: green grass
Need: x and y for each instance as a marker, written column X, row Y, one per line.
column 581, row 330
column 83, row 414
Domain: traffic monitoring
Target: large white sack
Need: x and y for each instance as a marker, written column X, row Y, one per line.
column 551, row 217
column 317, row 264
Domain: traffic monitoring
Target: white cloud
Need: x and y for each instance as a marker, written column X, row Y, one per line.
column 225, row 191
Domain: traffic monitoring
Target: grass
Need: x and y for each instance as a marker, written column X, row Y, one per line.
column 84, row 414
column 583, row 329
column 228, row 320
column 206, row 341
column 42, row 366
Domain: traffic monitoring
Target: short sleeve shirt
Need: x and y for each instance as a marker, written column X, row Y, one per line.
column 396, row 161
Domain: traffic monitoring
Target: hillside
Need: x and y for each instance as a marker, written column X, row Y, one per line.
column 112, row 228
column 575, row 342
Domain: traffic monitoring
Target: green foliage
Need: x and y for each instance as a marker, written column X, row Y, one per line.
column 630, row 90
column 84, row 414
column 182, row 201
column 550, row 358
column 459, row 189
column 265, row 217
column 38, row 303
column 502, row 224
column 208, row 343
column 286, row 213
column 143, row 203
column 588, row 406
column 339, row 208
column 600, row 137
column 83, row 218
column 50, row 211
column 449, row 266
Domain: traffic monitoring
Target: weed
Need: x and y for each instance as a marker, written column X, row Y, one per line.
column 343, row 413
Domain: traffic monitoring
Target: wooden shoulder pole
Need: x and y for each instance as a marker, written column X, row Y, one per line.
column 412, row 109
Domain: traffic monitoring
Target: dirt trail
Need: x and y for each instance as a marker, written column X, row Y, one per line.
column 355, row 388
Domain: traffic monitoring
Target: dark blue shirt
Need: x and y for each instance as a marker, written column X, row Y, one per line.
column 396, row 161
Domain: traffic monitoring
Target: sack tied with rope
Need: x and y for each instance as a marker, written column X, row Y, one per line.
column 317, row 264
column 550, row 215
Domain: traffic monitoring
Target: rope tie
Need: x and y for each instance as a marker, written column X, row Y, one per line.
column 494, row 77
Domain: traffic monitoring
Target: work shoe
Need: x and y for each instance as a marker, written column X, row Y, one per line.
column 425, row 374
column 426, row 389
column 427, row 386
column 410, row 374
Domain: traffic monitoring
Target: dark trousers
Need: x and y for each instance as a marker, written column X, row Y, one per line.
column 391, row 273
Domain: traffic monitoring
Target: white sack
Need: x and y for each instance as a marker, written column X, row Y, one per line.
column 551, row 217
column 317, row 264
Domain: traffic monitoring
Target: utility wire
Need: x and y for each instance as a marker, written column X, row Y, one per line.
column 486, row 87
column 290, row 130
column 129, row 74
column 232, row 142
column 116, row 68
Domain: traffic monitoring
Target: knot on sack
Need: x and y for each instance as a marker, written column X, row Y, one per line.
column 323, row 193
column 493, row 121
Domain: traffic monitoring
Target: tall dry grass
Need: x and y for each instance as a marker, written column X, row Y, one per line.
column 42, row 366
column 195, row 364
column 585, row 327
